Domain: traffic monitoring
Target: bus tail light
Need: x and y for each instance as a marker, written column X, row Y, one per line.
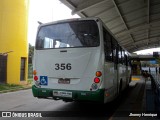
column 98, row 73
column 35, row 78
column 107, row 94
column 96, row 80
column 34, row 72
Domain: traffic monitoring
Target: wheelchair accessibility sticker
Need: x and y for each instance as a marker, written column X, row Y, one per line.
column 43, row 80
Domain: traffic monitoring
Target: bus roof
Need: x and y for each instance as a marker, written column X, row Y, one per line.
column 69, row 20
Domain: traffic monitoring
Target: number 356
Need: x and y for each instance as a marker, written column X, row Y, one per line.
column 63, row 66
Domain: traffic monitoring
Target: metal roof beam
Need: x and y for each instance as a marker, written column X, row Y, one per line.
column 148, row 19
column 155, row 34
column 102, row 12
column 141, row 35
column 131, row 49
column 111, row 7
column 119, row 13
column 133, row 29
column 142, row 48
column 131, row 12
column 126, row 43
column 151, row 43
column 129, row 22
column 136, row 19
column 125, row 40
column 155, row 28
column 71, row 6
column 125, row 2
column 148, row 12
column 136, row 28
column 68, row 3
column 107, row 21
column 115, row 27
column 87, row 5
column 152, row 39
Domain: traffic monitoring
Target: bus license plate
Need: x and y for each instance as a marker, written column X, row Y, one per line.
column 64, row 81
column 62, row 94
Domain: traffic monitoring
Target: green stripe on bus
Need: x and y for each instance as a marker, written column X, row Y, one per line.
column 97, row 96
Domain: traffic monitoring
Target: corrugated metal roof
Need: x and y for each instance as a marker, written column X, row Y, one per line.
column 135, row 23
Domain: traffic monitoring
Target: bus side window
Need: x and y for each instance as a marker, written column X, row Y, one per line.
column 114, row 50
column 123, row 57
column 120, row 55
column 126, row 60
column 107, row 46
column 117, row 53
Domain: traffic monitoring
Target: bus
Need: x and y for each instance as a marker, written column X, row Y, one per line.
column 79, row 60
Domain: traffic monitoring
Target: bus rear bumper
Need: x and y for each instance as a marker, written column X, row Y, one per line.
column 95, row 96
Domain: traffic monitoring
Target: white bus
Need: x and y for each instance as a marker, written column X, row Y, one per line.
column 79, row 60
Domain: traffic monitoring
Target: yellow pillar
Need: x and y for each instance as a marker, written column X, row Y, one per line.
column 13, row 37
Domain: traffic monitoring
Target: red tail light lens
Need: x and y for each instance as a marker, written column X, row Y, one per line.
column 35, row 78
column 96, row 80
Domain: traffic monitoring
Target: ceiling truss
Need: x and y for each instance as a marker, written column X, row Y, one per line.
column 137, row 22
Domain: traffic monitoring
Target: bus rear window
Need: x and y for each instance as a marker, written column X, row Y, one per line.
column 68, row 35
